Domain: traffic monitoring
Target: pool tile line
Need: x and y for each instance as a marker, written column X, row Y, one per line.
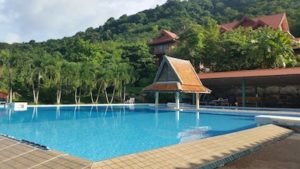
column 13, row 157
column 9, row 145
column 61, row 155
column 25, row 156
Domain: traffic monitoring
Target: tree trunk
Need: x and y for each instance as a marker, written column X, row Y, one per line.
column 10, row 95
column 75, row 96
column 113, row 95
column 58, row 96
column 121, row 95
column 106, row 96
column 37, row 91
column 33, row 92
column 98, row 94
column 37, row 96
column 92, row 98
column 124, row 93
column 79, row 96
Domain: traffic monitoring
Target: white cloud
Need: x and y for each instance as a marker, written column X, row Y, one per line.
column 24, row 20
column 11, row 37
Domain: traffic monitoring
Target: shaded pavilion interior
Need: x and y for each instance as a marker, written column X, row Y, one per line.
column 251, row 78
column 177, row 76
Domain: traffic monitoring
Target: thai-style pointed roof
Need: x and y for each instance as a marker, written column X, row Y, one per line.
column 177, row 75
column 274, row 21
column 164, row 37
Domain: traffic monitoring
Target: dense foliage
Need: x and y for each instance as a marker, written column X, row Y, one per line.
column 96, row 65
column 91, row 69
column 177, row 15
column 242, row 49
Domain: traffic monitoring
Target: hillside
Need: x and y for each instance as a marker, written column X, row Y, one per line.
column 176, row 15
column 98, row 64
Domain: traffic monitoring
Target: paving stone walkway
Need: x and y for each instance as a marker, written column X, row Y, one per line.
column 17, row 155
column 281, row 155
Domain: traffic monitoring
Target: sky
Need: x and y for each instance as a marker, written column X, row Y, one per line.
column 40, row 20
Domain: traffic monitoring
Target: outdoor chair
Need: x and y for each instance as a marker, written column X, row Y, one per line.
column 130, row 100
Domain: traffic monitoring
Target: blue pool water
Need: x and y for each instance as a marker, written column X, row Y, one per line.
column 98, row 133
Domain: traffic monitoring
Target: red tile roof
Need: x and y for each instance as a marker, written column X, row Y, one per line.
column 229, row 26
column 188, row 80
column 271, row 20
column 164, row 37
column 251, row 73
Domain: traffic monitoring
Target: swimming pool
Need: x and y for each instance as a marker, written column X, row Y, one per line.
column 102, row 132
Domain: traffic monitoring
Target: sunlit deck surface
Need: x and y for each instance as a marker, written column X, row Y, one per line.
column 209, row 153
column 17, row 155
column 283, row 154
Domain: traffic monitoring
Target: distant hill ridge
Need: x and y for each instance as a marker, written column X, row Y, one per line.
column 175, row 15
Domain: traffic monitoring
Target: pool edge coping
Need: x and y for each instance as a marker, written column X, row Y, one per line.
column 212, row 163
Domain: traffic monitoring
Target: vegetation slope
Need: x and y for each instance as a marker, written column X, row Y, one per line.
column 103, row 64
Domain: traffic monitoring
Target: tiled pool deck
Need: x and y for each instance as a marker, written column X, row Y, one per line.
column 207, row 153
column 17, row 155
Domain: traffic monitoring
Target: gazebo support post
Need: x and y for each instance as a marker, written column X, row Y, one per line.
column 156, row 98
column 177, row 100
column 243, row 93
column 197, row 101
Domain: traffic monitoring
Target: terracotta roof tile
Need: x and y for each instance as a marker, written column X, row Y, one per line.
column 188, row 80
column 185, row 71
column 229, row 26
column 251, row 73
column 271, row 20
column 165, row 36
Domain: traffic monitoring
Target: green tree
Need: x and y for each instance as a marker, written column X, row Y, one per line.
column 37, row 71
column 9, row 71
column 54, row 75
column 254, row 49
column 272, row 48
column 143, row 63
column 191, row 44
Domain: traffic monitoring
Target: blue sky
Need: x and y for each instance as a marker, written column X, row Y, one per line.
column 40, row 20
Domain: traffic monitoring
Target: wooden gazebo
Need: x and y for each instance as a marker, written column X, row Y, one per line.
column 177, row 76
